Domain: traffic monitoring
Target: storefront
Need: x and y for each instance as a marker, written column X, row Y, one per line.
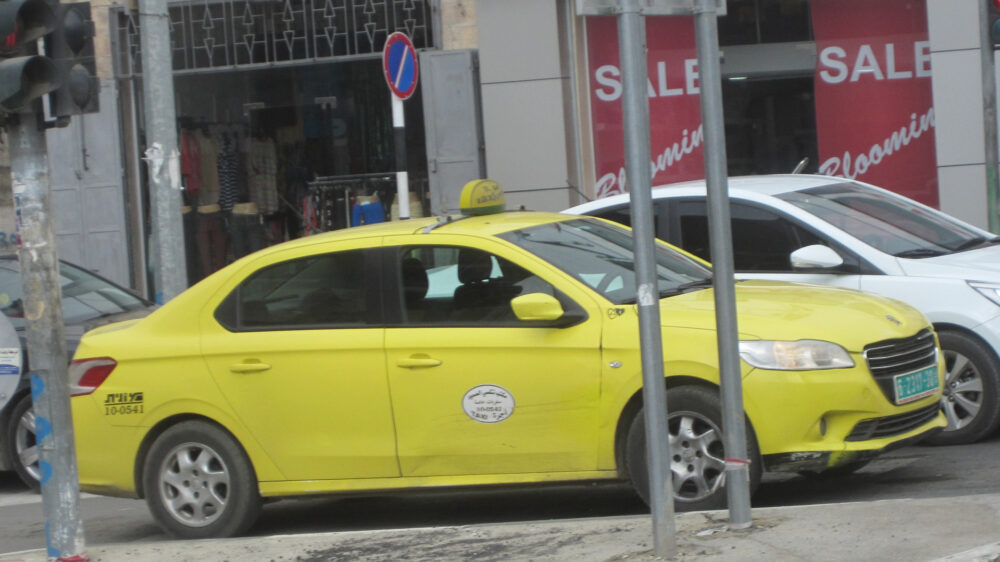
column 284, row 121
column 843, row 84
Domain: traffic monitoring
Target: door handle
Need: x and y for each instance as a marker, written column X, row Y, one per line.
column 249, row 367
column 418, row 361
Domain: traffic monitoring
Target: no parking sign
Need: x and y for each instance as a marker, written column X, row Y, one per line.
column 399, row 61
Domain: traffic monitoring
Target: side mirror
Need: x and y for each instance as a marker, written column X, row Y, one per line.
column 535, row 307
column 544, row 308
column 816, row 256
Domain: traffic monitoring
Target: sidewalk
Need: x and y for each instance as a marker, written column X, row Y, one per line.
column 955, row 529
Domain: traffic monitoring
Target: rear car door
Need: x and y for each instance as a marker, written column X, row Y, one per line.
column 297, row 349
column 474, row 389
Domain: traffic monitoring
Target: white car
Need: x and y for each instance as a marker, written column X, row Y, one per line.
column 832, row 231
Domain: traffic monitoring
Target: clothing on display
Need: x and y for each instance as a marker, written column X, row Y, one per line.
column 246, row 230
column 367, row 210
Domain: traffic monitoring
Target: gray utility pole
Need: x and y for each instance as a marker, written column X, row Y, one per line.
column 989, row 77
column 721, row 244
column 635, row 109
column 42, row 305
column 162, row 156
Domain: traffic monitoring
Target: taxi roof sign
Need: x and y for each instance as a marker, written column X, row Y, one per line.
column 482, row 197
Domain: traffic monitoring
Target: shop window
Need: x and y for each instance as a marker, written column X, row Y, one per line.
column 308, row 293
column 749, row 22
column 449, row 285
column 762, row 240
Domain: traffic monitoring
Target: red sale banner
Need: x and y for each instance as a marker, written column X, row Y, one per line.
column 874, row 110
column 674, row 103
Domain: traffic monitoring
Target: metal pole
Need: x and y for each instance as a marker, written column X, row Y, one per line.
column 989, row 115
column 635, row 107
column 170, row 269
column 721, row 243
column 399, row 138
column 42, row 305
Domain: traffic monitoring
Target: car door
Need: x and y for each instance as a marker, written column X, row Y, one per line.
column 475, row 390
column 296, row 348
column 762, row 242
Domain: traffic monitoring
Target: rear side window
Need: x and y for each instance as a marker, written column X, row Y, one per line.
column 316, row 292
column 762, row 239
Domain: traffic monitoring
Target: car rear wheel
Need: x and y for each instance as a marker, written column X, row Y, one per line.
column 199, row 482
column 697, row 459
column 970, row 400
column 20, row 442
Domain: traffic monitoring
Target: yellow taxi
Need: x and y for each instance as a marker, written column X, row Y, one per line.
column 467, row 350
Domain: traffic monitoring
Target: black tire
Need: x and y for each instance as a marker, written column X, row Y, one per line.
column 220, row 483
column 968, row 360
column 702, row 406
column 20, row 443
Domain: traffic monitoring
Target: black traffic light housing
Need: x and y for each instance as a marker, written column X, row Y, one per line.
column 993, row 9
column 71, row 46
column 24, row 76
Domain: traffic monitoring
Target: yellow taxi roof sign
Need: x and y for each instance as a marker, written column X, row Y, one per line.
column 482, row 197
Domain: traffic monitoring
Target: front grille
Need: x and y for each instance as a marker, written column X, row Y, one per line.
column 889, row 358
column 876, row 428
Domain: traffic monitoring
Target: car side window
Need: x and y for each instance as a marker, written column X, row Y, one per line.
column 451, row 285
column 622, row 214
column 315, row 292
column 762, row 239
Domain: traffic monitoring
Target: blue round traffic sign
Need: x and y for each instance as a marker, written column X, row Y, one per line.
column 399, row 61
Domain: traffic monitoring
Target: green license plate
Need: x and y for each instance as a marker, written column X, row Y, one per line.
column 916, row 385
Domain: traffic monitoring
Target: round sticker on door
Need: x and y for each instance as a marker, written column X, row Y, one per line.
column 488, row 403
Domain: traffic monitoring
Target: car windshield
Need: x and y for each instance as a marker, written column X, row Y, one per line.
column 601, row 256
column 85, row 296
column 887, row 222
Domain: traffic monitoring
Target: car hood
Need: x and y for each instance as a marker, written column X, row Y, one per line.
column 982, row 264
column 788, row 311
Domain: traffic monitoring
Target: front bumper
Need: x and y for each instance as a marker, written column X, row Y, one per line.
column 818, row 461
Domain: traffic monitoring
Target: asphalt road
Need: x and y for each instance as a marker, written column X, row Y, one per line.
column 914, row 472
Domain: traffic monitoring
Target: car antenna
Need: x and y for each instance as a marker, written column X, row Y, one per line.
column 801, row 165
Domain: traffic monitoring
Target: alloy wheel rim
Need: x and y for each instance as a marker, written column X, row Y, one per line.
column 697, row 460
column 25, row 445
column 963, row 391
column 194, row 484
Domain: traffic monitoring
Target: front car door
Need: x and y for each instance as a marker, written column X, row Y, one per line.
column 763, row 240
column 296, row 347
column 475, row 391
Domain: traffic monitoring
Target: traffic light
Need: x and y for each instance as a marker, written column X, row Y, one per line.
column 994, row 20
column 24, row 76
column 71, row 46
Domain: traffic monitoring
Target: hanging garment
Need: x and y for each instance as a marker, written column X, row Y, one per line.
column 190, row 164
column 228, row 172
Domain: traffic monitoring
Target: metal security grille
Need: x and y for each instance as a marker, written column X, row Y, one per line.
column 889, row 358
column 209, row 35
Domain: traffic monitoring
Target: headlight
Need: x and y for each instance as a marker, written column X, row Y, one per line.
column 988, row 290
column 802, row 355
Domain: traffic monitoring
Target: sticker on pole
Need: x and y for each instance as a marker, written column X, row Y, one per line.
column 399, row 61
column 488, row 403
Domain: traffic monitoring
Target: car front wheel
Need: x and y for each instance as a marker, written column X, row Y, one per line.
column 697, row 458
column 199, row 482
column 970, row 400
column 20, row 442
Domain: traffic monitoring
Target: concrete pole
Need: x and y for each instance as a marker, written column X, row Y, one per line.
column 42, row 305
column 170, row 267
column 721, row 243
column 635, row 109
column 990, row 142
